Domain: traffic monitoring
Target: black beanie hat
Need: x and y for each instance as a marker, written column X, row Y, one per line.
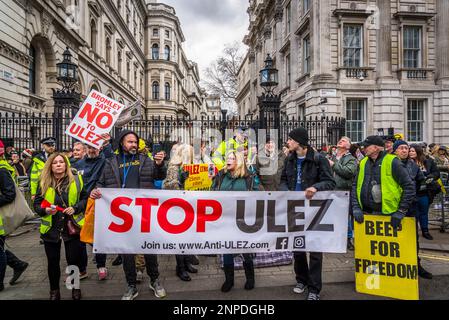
column 399, row 143
column 300, row 135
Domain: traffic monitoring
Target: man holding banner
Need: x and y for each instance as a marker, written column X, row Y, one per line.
column 306, row 170
column 382, row 185
column 385, row 257
column 130, row 170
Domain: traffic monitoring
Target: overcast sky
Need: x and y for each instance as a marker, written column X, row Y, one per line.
column 208, row 25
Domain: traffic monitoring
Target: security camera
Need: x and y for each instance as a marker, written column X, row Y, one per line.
column 323, row 100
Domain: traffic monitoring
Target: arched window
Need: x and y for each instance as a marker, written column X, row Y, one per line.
column 94, row 87
column 155, row 51
column 155, row 90
column 167, row 53
column 93, row 35
column 167, row 91
column 32, row 70
column 108, row 50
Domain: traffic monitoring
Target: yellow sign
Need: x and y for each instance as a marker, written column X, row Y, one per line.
column 386, row 262
column 198, row 177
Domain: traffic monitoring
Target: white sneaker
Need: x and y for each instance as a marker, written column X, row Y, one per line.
column 158, row 289
column 139, row 277
column 299, row 288
column 131, row 293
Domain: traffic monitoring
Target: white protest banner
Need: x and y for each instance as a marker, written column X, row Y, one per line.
column 203, row 222
column 96, row 116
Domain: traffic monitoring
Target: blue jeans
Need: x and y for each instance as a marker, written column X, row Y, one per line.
column 350, row 228
column 422, row 212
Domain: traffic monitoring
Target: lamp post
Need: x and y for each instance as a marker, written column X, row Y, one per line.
column 269, row 103
column 67, row 97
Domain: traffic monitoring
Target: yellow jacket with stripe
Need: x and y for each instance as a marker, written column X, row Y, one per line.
column 219, row 156
column 54, row 227
column 36, row 170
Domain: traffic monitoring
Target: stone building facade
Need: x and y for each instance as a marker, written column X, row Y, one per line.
column 379, row 63
column 110, row 40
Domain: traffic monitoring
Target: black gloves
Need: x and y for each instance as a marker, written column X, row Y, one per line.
column 396, row 219
column 358, row 216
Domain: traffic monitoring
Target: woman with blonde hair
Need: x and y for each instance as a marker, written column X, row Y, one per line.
column 236, row 177
column 175, row 180
column 60, row 201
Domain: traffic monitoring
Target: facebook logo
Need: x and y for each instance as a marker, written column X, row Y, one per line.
column 282, row 243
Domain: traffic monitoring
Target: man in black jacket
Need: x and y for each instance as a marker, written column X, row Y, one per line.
column 306, row 170
column 375, row 192
column 130, row 170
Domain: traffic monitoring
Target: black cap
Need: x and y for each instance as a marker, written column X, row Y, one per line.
column 373, row 140
column 300, row 135
column 49, row 141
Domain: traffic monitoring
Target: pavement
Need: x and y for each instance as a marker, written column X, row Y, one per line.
column 338, row 270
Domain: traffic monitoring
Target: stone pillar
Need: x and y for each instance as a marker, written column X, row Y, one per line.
column 442, row 31
column 384, row 40
column 321, row 41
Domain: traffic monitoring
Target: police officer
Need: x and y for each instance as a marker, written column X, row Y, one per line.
column 48, row 147
column 382, row 185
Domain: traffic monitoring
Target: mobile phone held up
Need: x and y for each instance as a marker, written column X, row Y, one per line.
column 157, row 147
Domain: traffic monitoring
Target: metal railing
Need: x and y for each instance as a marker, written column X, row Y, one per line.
column 26, row 130
column 439, row 210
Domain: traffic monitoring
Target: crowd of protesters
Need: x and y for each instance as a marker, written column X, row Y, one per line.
column 384, row 176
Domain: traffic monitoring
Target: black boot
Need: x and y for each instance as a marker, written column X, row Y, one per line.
column 423, row 273
column 427, row 235
column 55, row 295
column 182, row 274
column 249, row 273
column 17, row 273
column 76, row 294
column 229, row 278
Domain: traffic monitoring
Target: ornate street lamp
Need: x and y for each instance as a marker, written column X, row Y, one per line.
column 269, row 76
column 67, row 98
column 67, row 71
column 269, row 103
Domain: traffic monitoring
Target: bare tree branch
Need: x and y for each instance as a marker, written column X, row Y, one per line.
column 221, row 76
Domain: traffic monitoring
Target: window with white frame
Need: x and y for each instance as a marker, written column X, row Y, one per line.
column 355, row 119
column 415, row 120
column 155, row 32
column 412, row 46
column 306, row 55
column 353, row 45
column 302, row 111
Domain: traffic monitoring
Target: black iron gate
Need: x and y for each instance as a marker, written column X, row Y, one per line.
column 26, row 130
